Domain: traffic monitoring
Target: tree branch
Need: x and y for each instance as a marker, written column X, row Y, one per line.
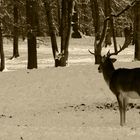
column 127, row 7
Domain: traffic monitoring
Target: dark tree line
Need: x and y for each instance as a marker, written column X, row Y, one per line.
column 30, row 19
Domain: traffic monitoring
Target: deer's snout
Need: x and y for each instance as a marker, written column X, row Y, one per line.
column 99, row 69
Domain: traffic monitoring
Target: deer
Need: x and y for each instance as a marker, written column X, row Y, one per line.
column 123, row 82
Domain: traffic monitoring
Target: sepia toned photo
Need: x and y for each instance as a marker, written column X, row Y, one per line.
column 69, row 69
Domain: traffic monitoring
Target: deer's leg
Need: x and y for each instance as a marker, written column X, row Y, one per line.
column 125, row 101
column 120, row 109
column 122, row 101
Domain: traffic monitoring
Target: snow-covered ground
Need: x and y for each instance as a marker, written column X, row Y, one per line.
column 69, row 103
column 78, row 53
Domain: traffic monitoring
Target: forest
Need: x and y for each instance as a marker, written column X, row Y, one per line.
column 33, row 20
column 68, row 68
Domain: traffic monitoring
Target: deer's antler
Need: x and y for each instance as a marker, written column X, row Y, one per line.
column 91, row 52
column 116, row 53
column 128, row 39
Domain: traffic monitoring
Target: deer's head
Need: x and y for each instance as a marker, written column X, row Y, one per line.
column 106, row 61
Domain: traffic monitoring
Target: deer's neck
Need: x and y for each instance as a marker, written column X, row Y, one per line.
column 107, row 72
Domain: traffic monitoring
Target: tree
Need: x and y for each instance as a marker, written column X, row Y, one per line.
column 61, row 57
column 75, row 22
column 59, row 16
column 96, row 23
column 2, row 66
column 108, row 19
column 85, row 17
column 137, row 29
column 66, row 28
column 52, row 31
column 31, row 14
column 15, row 31
column 108, row 11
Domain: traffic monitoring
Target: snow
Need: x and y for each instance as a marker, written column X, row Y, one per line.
column 66, row 103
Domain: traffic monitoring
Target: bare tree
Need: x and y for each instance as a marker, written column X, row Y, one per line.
column 31, row 14
column 66, row 26
column 50, row 21
column 108, row 17
column 61, row 57
column 137, row 29
column 96, row 23
column 2, row 66
column 75, row 22
column 15, row 31
column 110, row 25
column 59, row 15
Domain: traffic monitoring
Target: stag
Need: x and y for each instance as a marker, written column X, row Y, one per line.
column 123, row 82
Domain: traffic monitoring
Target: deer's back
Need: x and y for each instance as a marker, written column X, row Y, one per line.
column 126, row 81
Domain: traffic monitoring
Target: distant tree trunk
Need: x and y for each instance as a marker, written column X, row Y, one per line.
column 66, row 12
column 59, row 15
column 15, row 33
column 109, row 29
column 51, row 27
column 31, row 15
column 108, row 6
column 2, row 66
column 75, row 22
column 67, row 6
column 137, row 30
column 96, row 23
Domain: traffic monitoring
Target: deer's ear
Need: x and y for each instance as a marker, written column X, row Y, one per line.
column 113, row 60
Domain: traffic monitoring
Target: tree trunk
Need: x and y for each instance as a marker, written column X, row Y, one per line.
column 65, row 28
column 112, row 25
column 60, row 57
column 108, row 32
column 51, row 27
column 137, row 30
column 59, row 15
column 108, row 11
column 15, row 39
column 31, row 33
column 2, row 66
column 96, row 23
column 75, row 22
